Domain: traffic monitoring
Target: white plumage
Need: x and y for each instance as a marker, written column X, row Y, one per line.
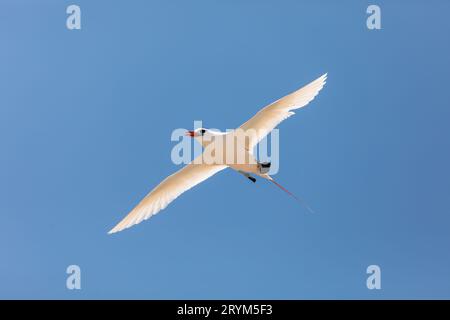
column 269, row 117
column 192, row 174
column 167, row 191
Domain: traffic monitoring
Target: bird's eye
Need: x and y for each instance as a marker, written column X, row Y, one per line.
column 202, row 131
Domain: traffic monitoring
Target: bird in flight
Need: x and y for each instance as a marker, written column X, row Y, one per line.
column 252, row 131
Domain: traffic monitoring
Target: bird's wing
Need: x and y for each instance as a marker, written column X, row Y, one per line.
column 167, row 191
column 270, row 116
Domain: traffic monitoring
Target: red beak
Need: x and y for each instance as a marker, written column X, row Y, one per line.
column 190, row 133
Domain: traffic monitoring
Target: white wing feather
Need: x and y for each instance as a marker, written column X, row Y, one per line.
column 167, row 191
column 270, row 116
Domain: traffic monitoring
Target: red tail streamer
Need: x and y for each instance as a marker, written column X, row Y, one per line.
column 292, row 195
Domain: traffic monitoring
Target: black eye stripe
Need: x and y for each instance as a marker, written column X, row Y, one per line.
column 202, row 131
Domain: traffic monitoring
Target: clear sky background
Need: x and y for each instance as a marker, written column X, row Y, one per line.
column 85, row 123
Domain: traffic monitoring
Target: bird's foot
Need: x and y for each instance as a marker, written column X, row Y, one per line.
column 264, row 167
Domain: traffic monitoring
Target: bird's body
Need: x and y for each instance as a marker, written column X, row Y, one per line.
column 228, row 148
column 232, row 149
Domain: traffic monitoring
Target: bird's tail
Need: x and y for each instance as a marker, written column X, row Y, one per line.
column 290, row 193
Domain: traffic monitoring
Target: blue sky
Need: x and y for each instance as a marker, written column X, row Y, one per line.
column 85, row 123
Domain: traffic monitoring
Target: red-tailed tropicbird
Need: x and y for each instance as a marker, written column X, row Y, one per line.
column 198, row 170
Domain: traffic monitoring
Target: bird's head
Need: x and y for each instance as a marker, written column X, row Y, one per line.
column 200, row 132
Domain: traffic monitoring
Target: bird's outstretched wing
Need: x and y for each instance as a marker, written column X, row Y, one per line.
column 270, row 116
column 167, row 191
